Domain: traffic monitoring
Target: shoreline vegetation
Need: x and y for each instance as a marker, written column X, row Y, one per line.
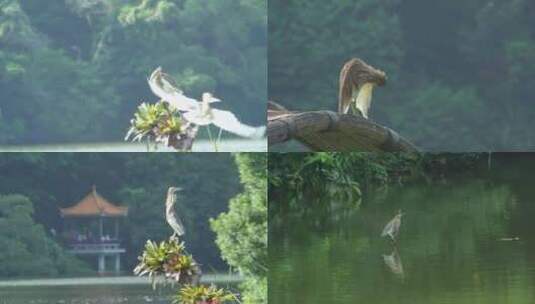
column 328, row 178
column 362, row 170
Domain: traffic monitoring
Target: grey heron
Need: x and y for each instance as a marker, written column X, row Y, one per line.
column 392, row 227
column 163, row 86
column 226, row 120
column 170, row 214
column 357, row 81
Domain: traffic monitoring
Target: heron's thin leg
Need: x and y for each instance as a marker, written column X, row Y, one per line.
column 394, row 242
column 354, row 109
column 209, row 132
column 219, row 136
column 211, row 139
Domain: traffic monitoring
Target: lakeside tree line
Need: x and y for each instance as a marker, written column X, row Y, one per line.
column 461, row 74
column 75, row 70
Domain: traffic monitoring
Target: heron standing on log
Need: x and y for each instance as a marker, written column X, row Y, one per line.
column 392, row 228
column 170, row 214
column 357, row 80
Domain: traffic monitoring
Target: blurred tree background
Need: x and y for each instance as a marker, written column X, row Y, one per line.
column 34, row 185
column 75, row 70
column 461, row 73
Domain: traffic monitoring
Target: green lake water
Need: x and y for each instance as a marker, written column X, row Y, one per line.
column 87, row 294
column 457, row 244
column 227, row 145
column 126, row 290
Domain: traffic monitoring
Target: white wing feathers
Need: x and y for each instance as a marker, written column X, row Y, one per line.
column 172, row 95
column 228, row 122
column 196, row 118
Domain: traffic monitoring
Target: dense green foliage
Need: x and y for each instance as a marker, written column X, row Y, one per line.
column 242, row 231
column 26, row 248
column 460, row 73
column 139, row 181
column 352, row 176
column 75, row 70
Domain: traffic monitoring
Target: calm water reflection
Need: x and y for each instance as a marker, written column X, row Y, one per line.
column 458, row 244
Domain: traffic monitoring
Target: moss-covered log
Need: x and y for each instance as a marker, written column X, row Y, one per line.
column 330, row 131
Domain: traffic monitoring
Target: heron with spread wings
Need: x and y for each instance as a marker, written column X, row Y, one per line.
column 163, row 86
column 170, row 215
column 199, row 112
column 206, row 115
column 357, row 81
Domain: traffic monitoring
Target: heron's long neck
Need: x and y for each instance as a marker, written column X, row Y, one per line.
column 364, row 98
column 205, row 110
column 171, row 200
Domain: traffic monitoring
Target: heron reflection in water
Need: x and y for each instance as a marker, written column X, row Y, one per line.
column 392, row 228
column 393, row 262
column 170, row 215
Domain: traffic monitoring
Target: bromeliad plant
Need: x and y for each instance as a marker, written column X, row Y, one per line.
column 159, row 123
column 168, row 259
column 203, row 295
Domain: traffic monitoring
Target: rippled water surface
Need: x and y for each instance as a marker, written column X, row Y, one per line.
column 465, row 242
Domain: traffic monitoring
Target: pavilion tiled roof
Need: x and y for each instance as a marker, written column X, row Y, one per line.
column 94, row 205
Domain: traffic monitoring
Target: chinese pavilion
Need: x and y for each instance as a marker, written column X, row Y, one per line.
column 91, row 229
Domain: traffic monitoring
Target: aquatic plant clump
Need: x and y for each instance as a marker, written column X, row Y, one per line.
column 168, row 259
column 182, row 269
column 203, row 294
column 159, row 123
